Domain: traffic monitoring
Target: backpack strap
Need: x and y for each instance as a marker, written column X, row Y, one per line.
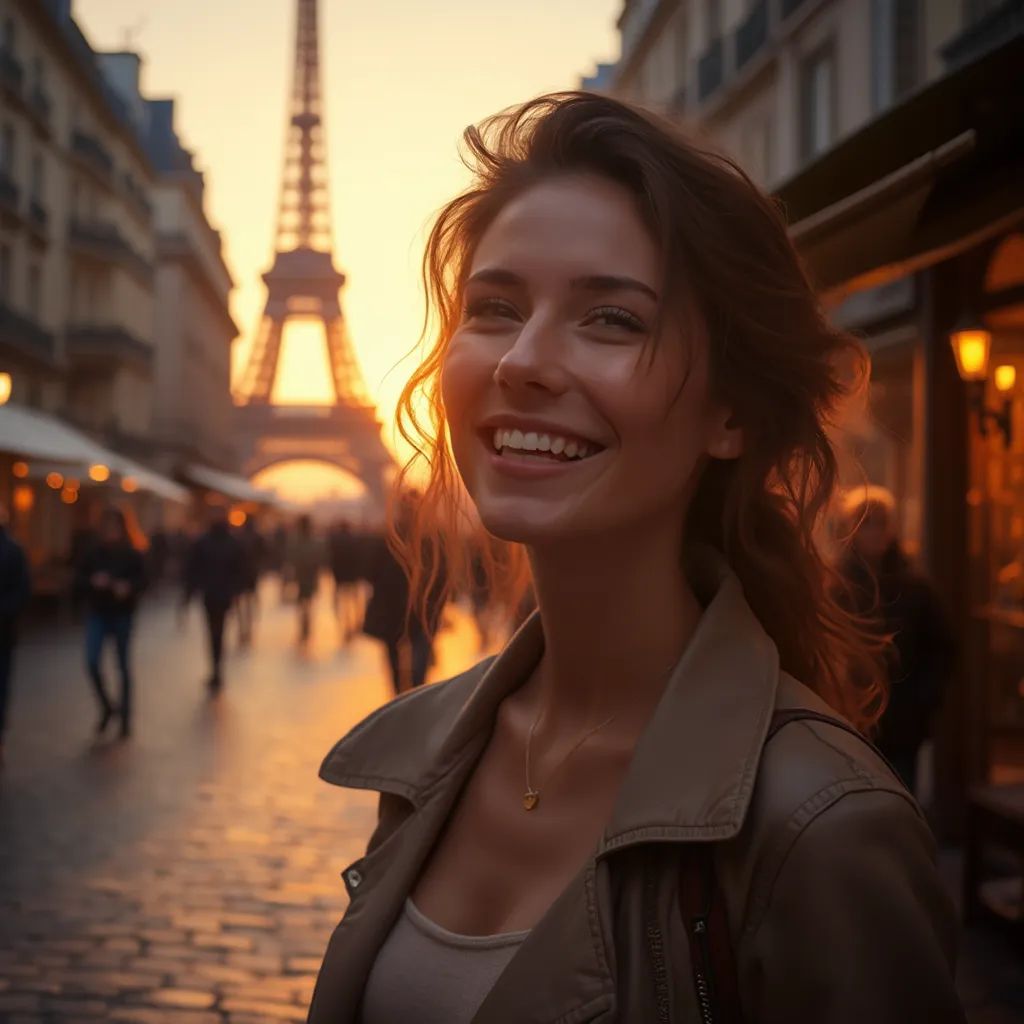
column 703, row 905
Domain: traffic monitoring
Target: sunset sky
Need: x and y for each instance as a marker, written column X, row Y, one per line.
column 402, row 78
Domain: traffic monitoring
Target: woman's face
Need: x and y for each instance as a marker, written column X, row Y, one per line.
column 559, row 423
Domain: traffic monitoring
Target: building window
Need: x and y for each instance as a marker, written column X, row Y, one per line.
column 897, row 44
column 7, row 145
column 6, row 258
column 817, row 102
column 10, row 38
column 38, row 177
column 35, row 278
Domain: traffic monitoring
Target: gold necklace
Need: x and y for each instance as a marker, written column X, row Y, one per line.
column 532, row 796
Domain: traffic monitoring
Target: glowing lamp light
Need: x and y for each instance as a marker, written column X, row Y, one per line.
column 129, row 485
column 24, row 498
column 20, row 470
column 236, row 517
column 1005, row 378
column 54, row 481
column 99, row 473
column 971, row 346
column 69, row 495
column 6, row 384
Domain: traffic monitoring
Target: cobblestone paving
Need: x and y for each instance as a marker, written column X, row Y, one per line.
column 190, row 874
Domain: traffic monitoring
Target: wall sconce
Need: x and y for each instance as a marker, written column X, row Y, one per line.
column 972, row 345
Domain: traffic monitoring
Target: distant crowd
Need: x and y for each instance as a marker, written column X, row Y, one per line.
column 221, row 569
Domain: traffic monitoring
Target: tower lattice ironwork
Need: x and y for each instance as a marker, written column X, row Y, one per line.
column 303, row 282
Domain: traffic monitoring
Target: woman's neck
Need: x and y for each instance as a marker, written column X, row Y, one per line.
column 617, row 614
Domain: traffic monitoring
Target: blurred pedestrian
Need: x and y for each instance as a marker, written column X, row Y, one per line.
column 884, row 588
column 305, row 563
column 253, row 555
column 406, row 627
column 344, row 550
column 215, row 569
column 15, row 590
column 110, row 578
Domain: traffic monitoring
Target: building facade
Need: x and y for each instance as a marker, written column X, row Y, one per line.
column 891, row 132
column 113, row 290
column 777, row 82
column 78, row 242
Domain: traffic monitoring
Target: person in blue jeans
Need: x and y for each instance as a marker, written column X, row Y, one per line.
column 15, row 590
column 111, row 576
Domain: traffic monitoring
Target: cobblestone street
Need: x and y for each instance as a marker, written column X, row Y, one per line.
column 192, row 873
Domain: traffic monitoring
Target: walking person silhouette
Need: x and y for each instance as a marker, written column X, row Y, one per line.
column 111, row 576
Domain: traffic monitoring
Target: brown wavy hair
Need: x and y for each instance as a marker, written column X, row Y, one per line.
column 774, row 360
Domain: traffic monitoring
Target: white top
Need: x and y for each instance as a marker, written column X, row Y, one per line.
column 427, row 974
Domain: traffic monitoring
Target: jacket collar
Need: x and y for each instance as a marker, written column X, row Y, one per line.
column 693, row 771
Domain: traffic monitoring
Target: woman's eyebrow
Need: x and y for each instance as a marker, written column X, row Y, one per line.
column 612, row 282
column 590, row 283
column 496, row 275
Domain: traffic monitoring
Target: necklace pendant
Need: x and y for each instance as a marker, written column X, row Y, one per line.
column 530, row 799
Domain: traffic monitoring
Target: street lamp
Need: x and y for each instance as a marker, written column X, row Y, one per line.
column 972, row 345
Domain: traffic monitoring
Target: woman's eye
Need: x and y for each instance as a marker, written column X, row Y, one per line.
column 615, row 316
column 488, row 308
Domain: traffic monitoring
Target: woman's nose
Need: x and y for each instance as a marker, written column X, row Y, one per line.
column 536, row 360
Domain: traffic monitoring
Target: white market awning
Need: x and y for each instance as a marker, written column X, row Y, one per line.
column 38, row 436
column 231, row 485
column 31, row 434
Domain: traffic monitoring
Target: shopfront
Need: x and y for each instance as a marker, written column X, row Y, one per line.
column 913, row 229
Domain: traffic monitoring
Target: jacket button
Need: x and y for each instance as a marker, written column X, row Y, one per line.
column 354, row 878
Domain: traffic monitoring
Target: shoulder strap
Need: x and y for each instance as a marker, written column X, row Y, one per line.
column 707, row 927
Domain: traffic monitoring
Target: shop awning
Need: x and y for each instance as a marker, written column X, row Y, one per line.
column 231, row 485
column 930, row 177
column 38, row 437
column 31, row 434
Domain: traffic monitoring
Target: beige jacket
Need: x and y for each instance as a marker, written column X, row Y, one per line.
column 827, row 866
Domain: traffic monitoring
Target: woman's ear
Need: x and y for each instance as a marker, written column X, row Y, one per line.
column 726, row 440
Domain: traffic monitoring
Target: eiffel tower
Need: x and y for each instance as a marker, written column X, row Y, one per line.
column 303, row 282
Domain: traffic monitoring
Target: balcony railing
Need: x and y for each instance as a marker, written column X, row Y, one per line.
column 752, row 35
column 9, row 194
column 11, row 72
column 710, row 69
column 25, row 335
column 107, row 344
column 93, row 152
column 102, row 241
column 790, row 6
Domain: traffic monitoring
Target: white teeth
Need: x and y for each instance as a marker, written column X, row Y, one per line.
column 533, row 441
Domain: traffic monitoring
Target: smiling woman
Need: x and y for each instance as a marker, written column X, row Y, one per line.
column 650, row 806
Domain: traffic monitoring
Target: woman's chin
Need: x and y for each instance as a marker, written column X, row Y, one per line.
column 522, row 526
